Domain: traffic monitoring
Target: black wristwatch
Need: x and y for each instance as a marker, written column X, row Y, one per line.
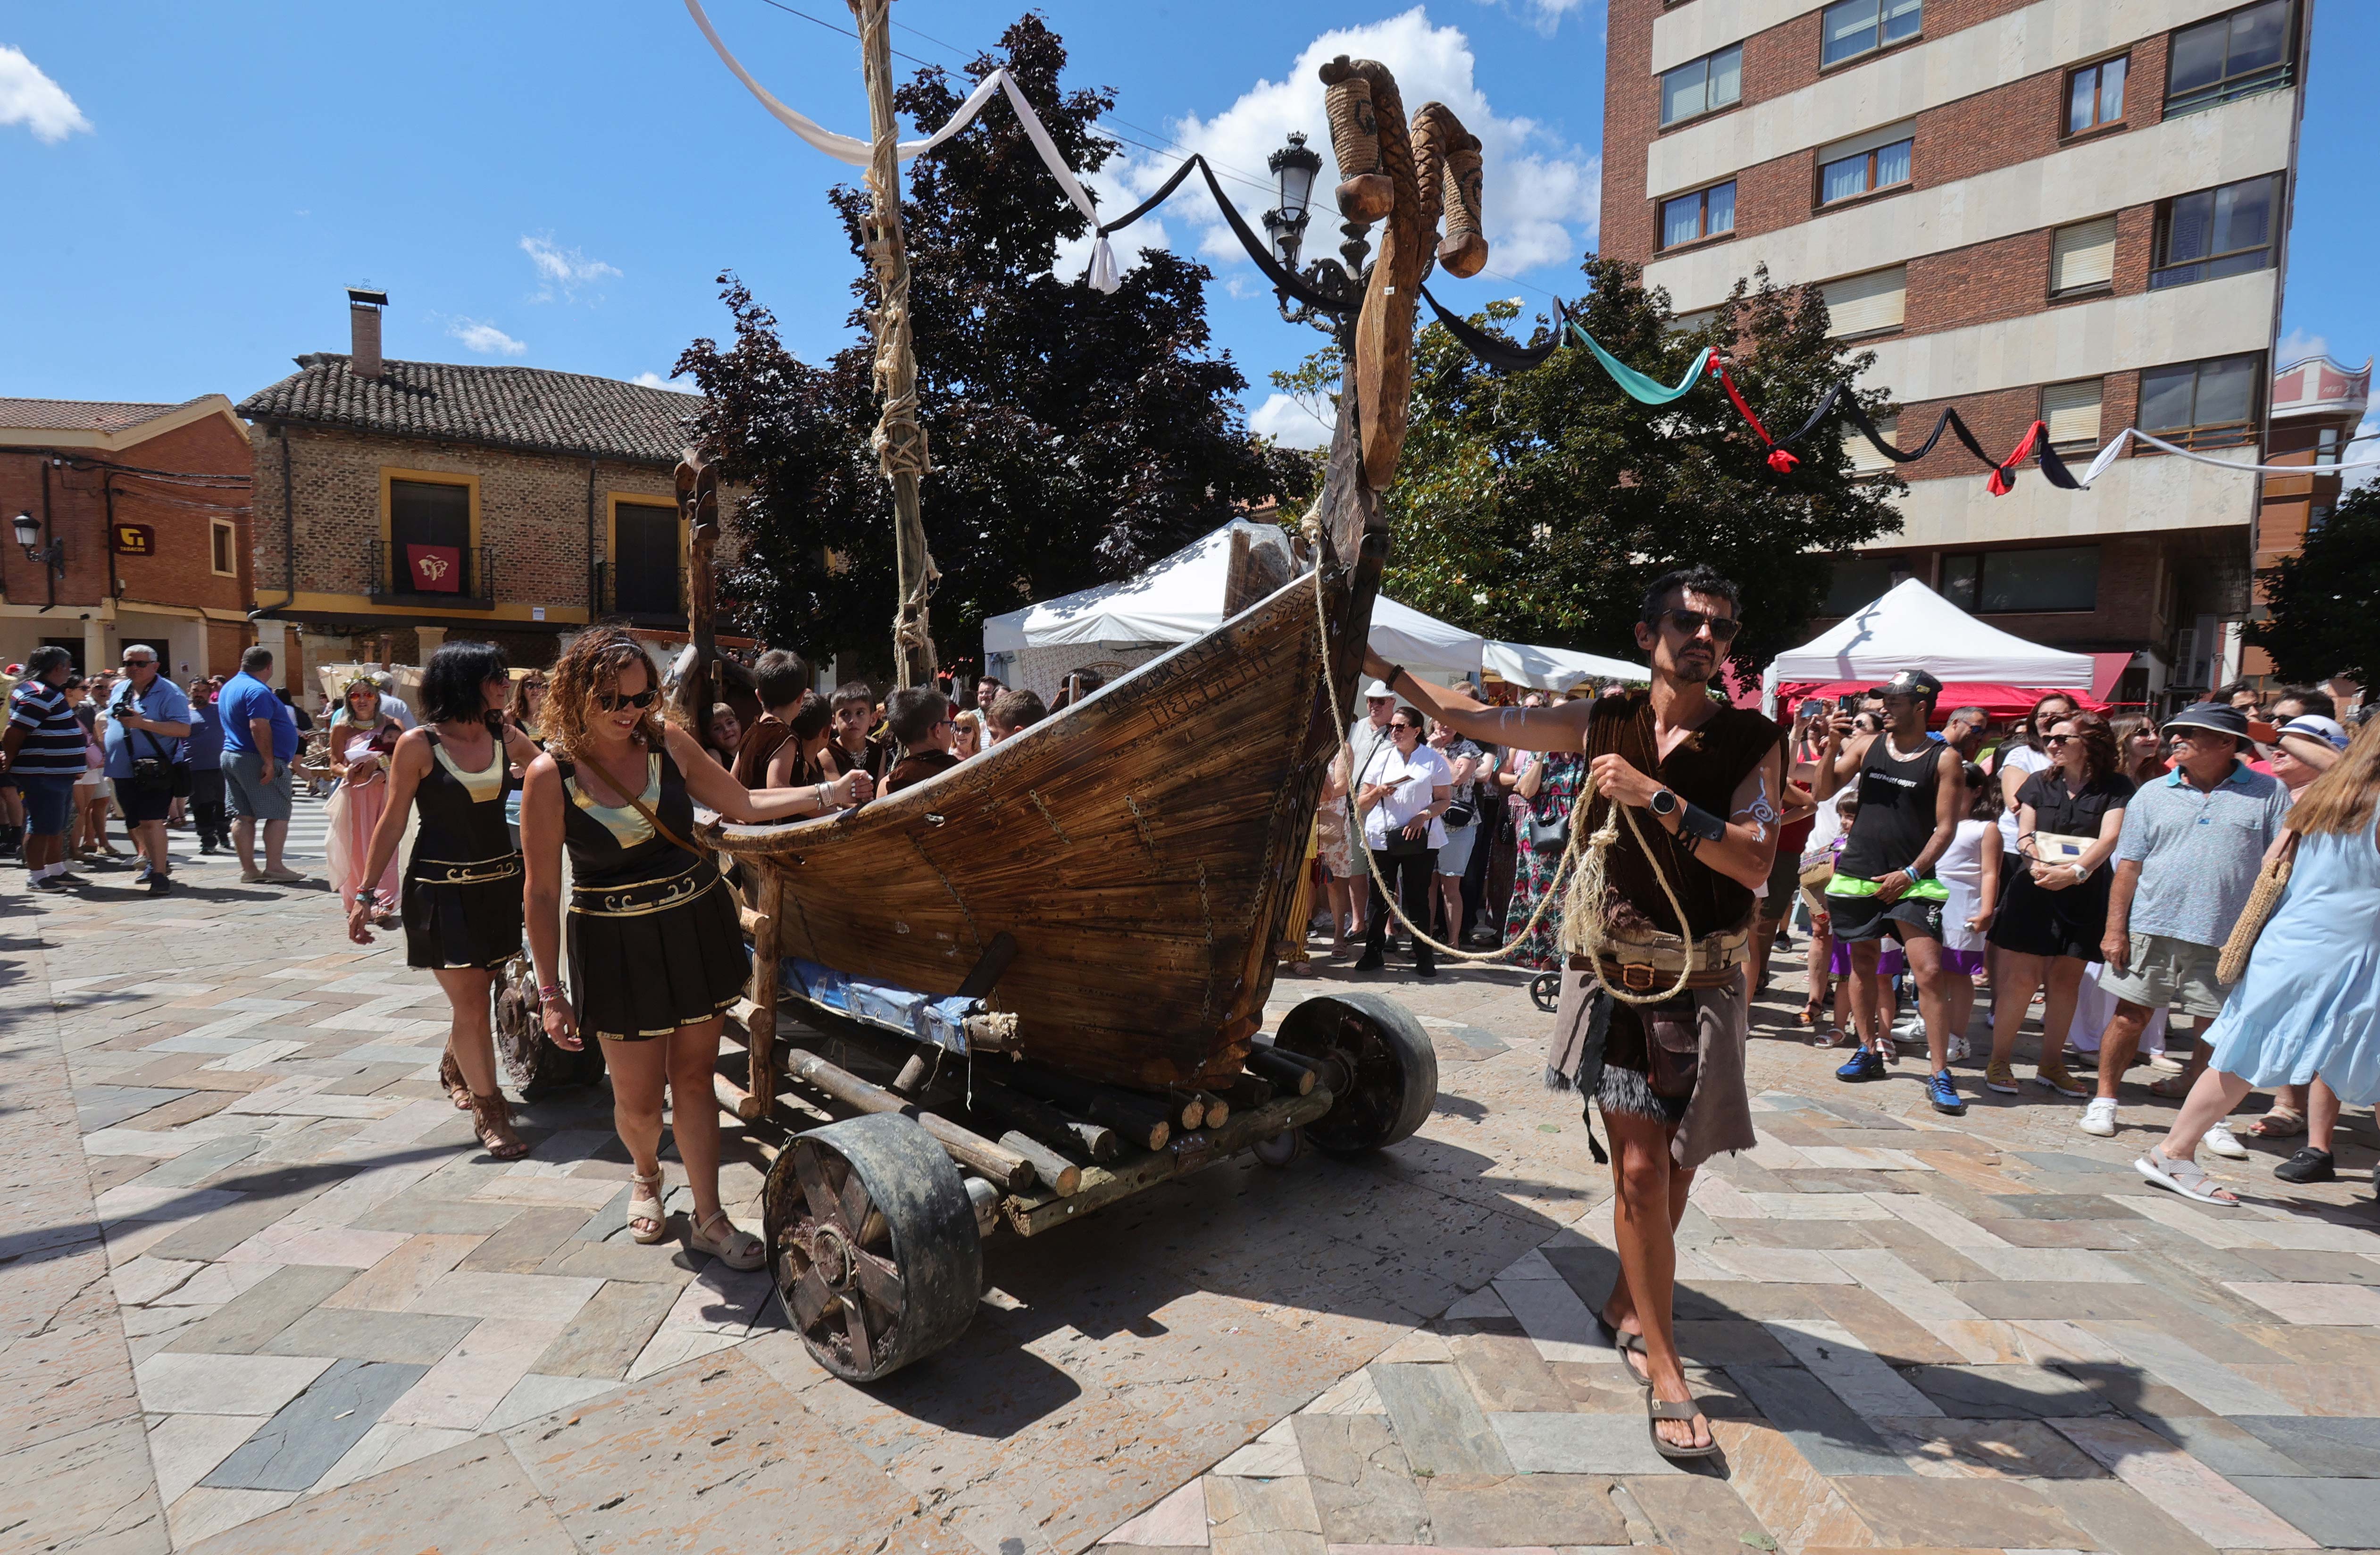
column 1663, row 803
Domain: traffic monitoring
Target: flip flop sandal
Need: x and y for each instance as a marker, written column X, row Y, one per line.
column 1627, row 1344
column 1658, row 1410
column 738, row 1250
column 2279, row 1122
column 2183, row 1177
column 648, row 1192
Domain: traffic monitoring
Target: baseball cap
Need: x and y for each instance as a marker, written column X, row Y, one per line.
column 2220, row 717
column 1911, row 683
column 2316, row 727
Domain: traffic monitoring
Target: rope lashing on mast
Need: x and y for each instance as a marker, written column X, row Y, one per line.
column 851, row 149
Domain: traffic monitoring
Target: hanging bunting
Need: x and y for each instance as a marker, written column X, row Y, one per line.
column 2107, row 455
column 1496, row 353
column 1778, row 460
column 1644, row 390
column 851, row 149
column 1282, row 278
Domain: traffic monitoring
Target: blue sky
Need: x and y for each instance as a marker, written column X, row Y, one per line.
column 556, row 185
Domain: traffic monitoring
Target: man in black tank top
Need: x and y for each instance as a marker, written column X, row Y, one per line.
column 1911, row 793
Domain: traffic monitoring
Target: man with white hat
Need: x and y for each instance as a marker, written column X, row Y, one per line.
column 1365, row 739
column 2191, row 843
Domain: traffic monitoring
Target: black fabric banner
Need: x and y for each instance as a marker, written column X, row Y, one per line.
column 1496, row 353
column 1283, row 280
column 1839, row 397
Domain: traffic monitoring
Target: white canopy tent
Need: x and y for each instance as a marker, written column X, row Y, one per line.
column 1116, row 627
column 1912, row 627
column 1555, row 669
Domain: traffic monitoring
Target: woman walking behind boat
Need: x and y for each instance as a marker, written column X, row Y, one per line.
column 656, row 956
column 462, row 888
column 2308, row 1006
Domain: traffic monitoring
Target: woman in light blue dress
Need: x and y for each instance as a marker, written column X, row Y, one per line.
column 2309, row 1004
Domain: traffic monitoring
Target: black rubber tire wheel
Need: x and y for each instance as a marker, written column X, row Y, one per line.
column 873, row 1244
column 1545, row 992
column 1392, row 1066
column 531, row 1061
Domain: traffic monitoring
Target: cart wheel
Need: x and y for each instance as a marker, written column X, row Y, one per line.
column 1545, row 992
column 1390, row 1068
column 1279, row 1150
column 877, row 1256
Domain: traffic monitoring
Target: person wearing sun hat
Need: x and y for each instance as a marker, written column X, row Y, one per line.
column 2184, row 866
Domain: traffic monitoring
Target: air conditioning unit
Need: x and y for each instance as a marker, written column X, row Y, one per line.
column 2197, row 655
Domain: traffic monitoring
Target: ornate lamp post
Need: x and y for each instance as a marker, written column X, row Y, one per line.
column 1293, row 167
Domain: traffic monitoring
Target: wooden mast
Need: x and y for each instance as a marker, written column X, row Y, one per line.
column 899, row 442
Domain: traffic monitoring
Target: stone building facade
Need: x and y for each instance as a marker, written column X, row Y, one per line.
column 145, row 510
column 400, row 504
column 2062, row 210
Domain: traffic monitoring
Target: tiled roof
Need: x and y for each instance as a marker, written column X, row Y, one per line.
column 80, row 415
column 524, row 407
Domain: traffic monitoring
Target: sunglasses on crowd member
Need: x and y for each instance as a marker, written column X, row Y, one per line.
column 2057, row 739
column 612, row 701
column 1399, row 728
column 1689, row 622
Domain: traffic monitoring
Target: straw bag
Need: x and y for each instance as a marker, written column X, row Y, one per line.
column 2271, row 880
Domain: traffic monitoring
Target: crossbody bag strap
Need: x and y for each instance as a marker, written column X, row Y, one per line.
column 636, row 804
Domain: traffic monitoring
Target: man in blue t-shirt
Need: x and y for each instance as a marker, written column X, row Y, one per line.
column 147, row 719
column 205, row 747
column 259, row 739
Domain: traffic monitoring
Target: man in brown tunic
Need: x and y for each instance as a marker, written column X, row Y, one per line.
column 1704, row 780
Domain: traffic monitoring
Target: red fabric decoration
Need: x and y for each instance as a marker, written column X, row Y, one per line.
column 1999, row 484
column 434, row 569
column 1778, row 460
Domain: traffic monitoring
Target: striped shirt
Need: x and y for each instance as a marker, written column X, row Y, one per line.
column 53, row 736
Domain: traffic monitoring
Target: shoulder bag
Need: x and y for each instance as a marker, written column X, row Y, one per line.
column 157, row 774
column 659, row 828
column 2271, row 881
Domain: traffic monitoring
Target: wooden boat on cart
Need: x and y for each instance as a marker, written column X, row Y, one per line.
column 1056, row 956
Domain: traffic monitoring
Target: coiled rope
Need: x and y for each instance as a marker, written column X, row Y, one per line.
column 1582, row 920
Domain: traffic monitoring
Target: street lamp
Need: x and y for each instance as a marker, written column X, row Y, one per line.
column 29, row 535
column 1293, row 170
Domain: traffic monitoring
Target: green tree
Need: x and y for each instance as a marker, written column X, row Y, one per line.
column 2320, row 622
column 1075, row 437
column 1535, row 508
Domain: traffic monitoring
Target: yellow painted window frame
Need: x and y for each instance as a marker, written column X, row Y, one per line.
column 230, row 548
column 391, row 474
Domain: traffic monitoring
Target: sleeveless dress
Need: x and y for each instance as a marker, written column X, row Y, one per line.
column 2309, row 1003
column 654, row 942
column 463, row 882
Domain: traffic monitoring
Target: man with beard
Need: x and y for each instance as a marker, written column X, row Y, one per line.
column 1702, row 782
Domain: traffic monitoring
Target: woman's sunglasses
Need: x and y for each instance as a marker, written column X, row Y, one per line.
column 2057, row 739
column 612, row 701
column 1404, row 729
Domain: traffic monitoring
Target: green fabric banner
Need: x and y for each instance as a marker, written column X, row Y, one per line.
column 1644, row 390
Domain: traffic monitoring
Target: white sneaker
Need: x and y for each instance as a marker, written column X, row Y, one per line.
column 2099, row 1117
column 1960, row 1052
column 2218, row 1141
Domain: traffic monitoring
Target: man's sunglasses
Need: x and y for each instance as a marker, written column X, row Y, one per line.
column 612, row 701
column 1689, row 622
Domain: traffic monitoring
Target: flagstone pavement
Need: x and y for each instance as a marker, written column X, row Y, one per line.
column 263, row 1293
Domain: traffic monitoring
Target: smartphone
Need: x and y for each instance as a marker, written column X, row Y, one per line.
column 1846, row 701
column 1813, row 707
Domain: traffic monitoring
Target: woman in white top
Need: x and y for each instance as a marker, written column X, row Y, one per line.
column 1405, row 788
column 1969, row 868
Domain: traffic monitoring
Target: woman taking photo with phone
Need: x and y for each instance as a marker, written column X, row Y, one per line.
column 462, row 891
column 656, row 956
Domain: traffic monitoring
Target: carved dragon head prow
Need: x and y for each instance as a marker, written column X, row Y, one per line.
column 1404, row 174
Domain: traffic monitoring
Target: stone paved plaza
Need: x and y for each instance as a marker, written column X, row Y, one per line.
column 263, row 1293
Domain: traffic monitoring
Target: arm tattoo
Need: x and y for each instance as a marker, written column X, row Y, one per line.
column 1507, row 717
column 1763, row 814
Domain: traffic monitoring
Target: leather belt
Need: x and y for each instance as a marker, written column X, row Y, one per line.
column 1641, row 965
column 477, row 871
column 645, row 896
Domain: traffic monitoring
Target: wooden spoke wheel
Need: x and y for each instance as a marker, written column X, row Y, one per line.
column 531, row 1060
column 873, row 1243
column 1388, row 1068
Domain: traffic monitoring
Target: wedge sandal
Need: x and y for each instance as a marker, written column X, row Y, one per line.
column 645, row 1204
column 2183, row 1177
column 737, row 1249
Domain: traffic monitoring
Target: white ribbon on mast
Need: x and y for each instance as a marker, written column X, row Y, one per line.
column 2108, row 456
column 856, row 151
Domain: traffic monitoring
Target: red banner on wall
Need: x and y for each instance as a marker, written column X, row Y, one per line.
column 434, row 569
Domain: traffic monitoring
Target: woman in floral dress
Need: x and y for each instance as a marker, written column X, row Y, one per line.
column 1551, row 784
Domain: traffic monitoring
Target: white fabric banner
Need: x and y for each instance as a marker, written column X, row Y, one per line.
column 856, row 151
column 2108, row 456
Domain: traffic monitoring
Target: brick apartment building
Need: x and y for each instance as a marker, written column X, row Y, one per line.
column 2317, row 404
column 2069, row 210
column 140, row 524
column 399, row 504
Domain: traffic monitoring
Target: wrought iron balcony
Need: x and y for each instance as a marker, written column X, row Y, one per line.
column 462, row 577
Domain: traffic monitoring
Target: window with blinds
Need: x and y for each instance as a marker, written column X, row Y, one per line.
column 1862, row 304
column 1864, row 459
column 2072, row 413
column 2083, row 257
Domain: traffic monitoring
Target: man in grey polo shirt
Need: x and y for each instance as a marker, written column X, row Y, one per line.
column 2191, row 843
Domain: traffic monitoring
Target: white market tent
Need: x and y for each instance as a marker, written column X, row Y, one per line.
column 1556, row 669
column 1116, row 627
column 1914, row 628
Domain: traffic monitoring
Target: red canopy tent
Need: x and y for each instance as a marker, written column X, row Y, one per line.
column 1994, row 697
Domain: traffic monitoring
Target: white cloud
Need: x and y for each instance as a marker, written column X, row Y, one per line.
column 486, row 339
column 651, row 380
column 1289, row 424
column 1546, row 14
column 29, row 98
column 2297, row 346
column 563, row 271
column 1542, row 193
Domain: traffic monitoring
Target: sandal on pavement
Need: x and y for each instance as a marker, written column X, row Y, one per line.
column 450, row 1074
column 1628, row 1344
column 738, row 1250
column 2183, row 1177
column 2280, row 1122
column 2170, row 1088
column 1658, row 1410
column 648, row 1191
column 491, row 1119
